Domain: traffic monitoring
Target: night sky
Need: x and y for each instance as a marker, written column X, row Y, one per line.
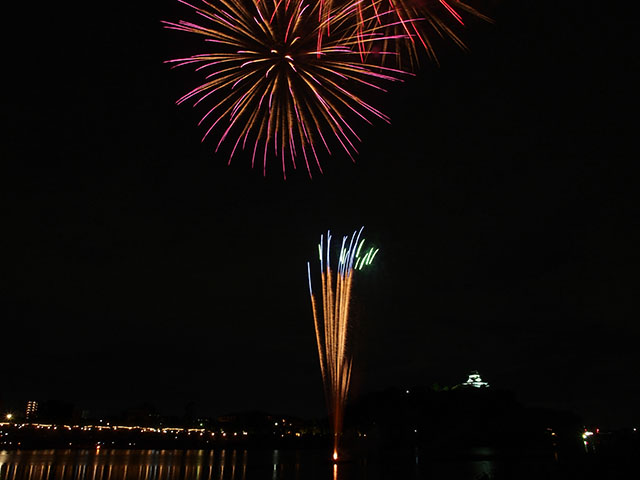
column 140, row 267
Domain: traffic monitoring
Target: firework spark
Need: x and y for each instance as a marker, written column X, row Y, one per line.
column 333, row 326
column 420, row 21
column 273, row 87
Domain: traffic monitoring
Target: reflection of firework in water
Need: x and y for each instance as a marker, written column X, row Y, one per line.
column 332, row 328
column 273, row 86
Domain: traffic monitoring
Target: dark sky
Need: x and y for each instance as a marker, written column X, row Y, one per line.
column 140, row 267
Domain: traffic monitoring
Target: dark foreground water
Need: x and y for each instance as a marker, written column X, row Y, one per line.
column 239, row 464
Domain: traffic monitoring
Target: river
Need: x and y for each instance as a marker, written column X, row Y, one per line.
column 265, row 464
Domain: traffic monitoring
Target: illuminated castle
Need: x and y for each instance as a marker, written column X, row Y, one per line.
column 474, row 380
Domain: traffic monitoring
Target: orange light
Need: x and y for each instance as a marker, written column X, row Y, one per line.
column 335, row 456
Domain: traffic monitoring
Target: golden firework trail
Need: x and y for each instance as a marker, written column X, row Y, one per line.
column 272, row 86
column 332, row 323
column 419, row 22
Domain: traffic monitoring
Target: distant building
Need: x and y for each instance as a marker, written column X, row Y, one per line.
column 32, row 410
column 474, row 380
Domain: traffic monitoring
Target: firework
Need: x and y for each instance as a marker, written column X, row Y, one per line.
column 332, row 326
column 270, row 84
column 418, row 21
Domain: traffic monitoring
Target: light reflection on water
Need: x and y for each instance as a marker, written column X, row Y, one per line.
column 123, row 464
column 258, row 464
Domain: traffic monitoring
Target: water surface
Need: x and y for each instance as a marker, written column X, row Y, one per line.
column 265, row 464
